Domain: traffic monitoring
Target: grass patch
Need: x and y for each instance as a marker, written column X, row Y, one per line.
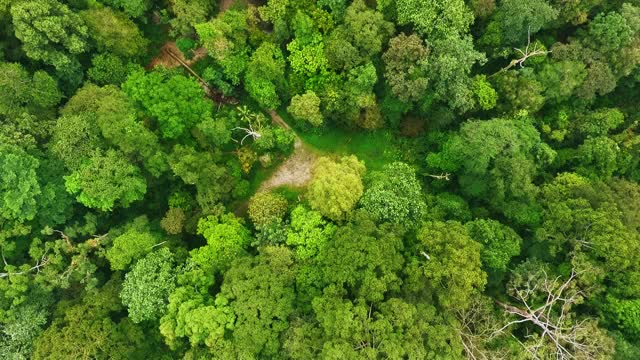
column 289, row 192
column 375, row 148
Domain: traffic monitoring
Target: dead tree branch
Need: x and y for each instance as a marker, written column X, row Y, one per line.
column 556, row 327
column 525, row 54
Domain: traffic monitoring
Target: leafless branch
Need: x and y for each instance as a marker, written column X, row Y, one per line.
column 443, row 176
column 525, row 54
column 553, row 319
column 250, row 132
column 43, row 261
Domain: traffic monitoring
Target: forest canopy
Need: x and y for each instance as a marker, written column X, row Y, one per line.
column 320, row 179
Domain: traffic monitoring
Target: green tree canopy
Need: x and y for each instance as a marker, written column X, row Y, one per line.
column 336, row 186
column 106, row 180
column 497, row 161
column 19, row 184
column 50, row 32
column 114, row 32
column 176, row 101
column 395, row 195
column 147, row 286
column 265, row 75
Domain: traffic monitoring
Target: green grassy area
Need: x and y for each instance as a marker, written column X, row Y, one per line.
column 375, row 148
column 289, row 192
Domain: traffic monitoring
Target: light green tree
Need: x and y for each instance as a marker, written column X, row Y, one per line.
column 336, row 186
column 306, row 108
column 106, row 180
column 146, row 288
column 266, row 208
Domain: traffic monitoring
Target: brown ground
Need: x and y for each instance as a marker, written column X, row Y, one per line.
column 164, row 59
column 296, row 171
column 225, row 5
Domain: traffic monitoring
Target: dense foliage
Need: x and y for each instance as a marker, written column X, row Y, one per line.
column 334, row 179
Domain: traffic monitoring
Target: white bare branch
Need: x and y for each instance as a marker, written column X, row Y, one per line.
column 525, row 54
column 553, row 320
column 250, row 132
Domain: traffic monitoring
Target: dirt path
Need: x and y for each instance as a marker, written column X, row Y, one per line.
column 296, row 171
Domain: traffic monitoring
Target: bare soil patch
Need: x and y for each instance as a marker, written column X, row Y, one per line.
column 296, row 171
column 169, row 62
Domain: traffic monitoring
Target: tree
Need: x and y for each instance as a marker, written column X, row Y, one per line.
column 260, row 293
column 598, row 157
column 105, row 181
column 546, row 303
column 514, row 20
column 583, row 227
column 106, row 110
column 266, row 208
column 306, row 108
column 132, row 244
column 599, row 122
column 108, row 68
column 114, row 32
column 214, row 181
column 22, row 91
column 367, row 29
column 133, row 8
column 340, row 53
column 486, row 96
column 363, row 259
column 176, row 101
column 147, row 286
column 188, row 13
column 395, row 195
column 265, row 74
column 75, row 138
column 519, row 90
column 357, row 312
column 308, row 232
column 450, row 260
column 227, row 238
column 406, row 67
column 561, row 79
column 307, row 58
column 575, row 12
column 173, row 221
column 336, row 186
column 449, row 67
column 225, row 38
column 496, row 161
column 20, row 333
column 84, row 329
column 19, row 186
column 435, row 18
column 609, row 32
column 50, row 32
column 499, row 243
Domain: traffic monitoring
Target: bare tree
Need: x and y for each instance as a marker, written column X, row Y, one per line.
column 556, row 330
column 525, row 54
column 250, row 132
column 478, row 323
